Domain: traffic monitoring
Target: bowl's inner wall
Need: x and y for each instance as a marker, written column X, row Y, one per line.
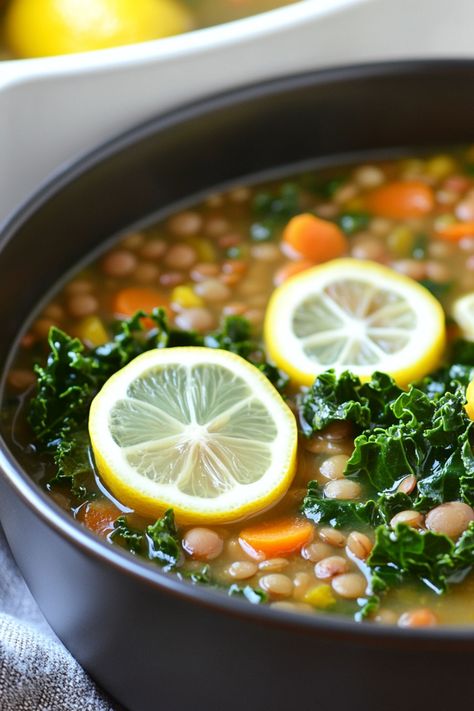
column 218, row 141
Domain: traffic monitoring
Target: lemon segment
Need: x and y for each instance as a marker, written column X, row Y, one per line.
column 356, row 315
column 40, row 28
column 196, row 429
column 469, row 406
column 463, row 313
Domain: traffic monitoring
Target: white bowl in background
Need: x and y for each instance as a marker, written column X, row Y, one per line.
column 52, row 109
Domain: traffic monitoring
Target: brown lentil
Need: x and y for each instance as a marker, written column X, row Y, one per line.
column 451, row 518
column 153, row 249
column 409, row 518
column 242, row 569
column 349, row 585
column 332, row 537
column 316, row 551
column 359, row 544
column 180, row 256
column 204, row 270
column 407, row 485
column 82, row 305
column 276, row 584
column 331, row 566
column 119, row 263
column 273, row 565
column 333, row 467
column 342, row 489
column 202, row 543
column 212, row 290
column 423, row 617
column 197, row 319
column 185, row 224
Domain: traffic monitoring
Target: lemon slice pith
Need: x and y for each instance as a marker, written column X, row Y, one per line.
column 350, row 314
column 463, row 312
column 199, row 430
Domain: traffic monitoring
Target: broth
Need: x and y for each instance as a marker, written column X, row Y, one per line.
column 224, row 258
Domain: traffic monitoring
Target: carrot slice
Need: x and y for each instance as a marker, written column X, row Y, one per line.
column 132, row 299
column 314, row 238
column 99, row 516
column 400, row 200
column 276, row 538
column 457, row 231
column 291, row 269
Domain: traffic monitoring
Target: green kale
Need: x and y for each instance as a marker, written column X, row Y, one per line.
column 131, row 538
column 351, row 514
column 352, row 222
column 408, row 554
column 72, row 458
column 160, row 542
column 253, row 595
column 335, row 398
column 202, row 577
column 163, row 541
column 273, row 211
column 423, row 432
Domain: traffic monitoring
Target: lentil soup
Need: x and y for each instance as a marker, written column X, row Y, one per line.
column 377, row 522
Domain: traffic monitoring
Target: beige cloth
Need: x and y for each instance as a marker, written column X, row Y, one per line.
column 37, row 673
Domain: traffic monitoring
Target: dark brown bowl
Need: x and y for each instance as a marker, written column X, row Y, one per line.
column 152, row 641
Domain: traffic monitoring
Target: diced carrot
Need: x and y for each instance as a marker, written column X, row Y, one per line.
column 276, row 538
column 132, row 299
column 400, row 200
column 315, row 239
column 99, row 516
column 291, row 269
column 457, row 231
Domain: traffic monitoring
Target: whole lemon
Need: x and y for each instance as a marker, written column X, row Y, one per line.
column 40, row 28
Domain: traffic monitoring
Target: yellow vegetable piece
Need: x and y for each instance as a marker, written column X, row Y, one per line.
column 92, row 331
column 400, row 241
column 441, row 166
column 469, row 406
column 205, row 250
column 40, row 28
column 321, row 597
column 185, row 297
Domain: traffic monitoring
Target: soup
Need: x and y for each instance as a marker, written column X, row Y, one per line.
column 280, row 380
column 49, row 27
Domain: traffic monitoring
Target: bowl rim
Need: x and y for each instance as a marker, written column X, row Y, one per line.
column 86, row 542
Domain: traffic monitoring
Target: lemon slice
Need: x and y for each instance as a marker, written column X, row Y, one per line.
column 198, row 430
column 469, row 406
column 463, row 312
column 356, row 315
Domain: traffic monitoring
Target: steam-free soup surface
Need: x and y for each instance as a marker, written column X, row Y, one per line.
column 321, row 549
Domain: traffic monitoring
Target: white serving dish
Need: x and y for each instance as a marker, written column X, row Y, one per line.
column 53, row 109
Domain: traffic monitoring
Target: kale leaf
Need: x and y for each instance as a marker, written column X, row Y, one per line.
column 253, row 595
column 335, row 398
column 406, row 553
column 160, row 542
column 274, row 210
column 163, row 541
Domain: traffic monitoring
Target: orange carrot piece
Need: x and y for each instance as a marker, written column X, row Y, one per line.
column 132, row 299
column 400, row 200
column 276, row 538
column 457, row 231
column 99, row 516
column 290, row 270
column 314, row 238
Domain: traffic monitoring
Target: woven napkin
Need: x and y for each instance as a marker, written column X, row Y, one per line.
column 37, row 673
